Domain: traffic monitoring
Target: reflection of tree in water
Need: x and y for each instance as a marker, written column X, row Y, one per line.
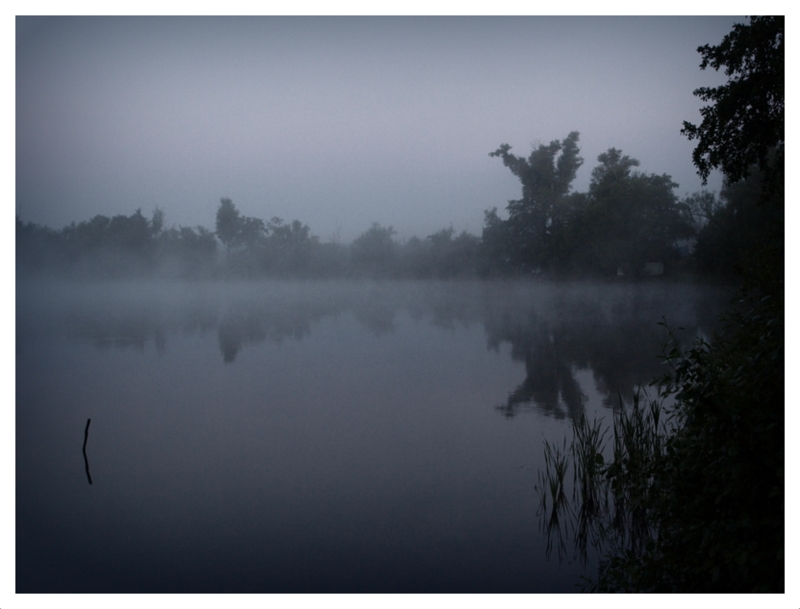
column 618, row 340
column 556, row 330
column 550, row 384
column 377, row 317
column 134, row 329
column 130, row 323
column 233, row 335
column 273, row 322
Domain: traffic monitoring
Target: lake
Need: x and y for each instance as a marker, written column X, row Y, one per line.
column 289, row 436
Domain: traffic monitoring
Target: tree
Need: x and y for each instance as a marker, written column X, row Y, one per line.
column 630, row 219
column 570, row 234
column 157, row 222
column 186, row 251
column 444, row 256
column 288, row 248
column 495, row 254
column 701, row 208
column 737, row 229
column 250, row 232
column 228, row 223
column 745, row 121
column 131, row 233
column 375, row 250
column 546, row 177
column 37, row 247
column 742, row 134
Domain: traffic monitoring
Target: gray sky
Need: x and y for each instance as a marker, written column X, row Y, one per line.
column 340, row 122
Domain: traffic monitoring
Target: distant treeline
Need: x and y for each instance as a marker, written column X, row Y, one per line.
column 629, row 224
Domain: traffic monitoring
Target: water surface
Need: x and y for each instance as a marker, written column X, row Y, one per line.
column 313, row 437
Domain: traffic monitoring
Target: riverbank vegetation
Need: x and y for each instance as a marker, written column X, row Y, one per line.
column 690, row 498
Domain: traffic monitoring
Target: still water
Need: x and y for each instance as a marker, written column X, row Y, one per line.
column 313, row 436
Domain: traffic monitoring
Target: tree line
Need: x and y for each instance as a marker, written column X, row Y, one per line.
column 628, row 224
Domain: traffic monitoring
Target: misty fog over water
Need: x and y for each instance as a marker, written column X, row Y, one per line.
column 407, row 304
column 289, row 436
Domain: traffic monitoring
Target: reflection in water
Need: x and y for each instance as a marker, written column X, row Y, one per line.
column 377, row 317
column 613, row 332
column 310, row 437
column 256, row 322
column 616, row 336
column 556, row 330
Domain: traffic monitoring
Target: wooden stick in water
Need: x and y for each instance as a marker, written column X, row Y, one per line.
column 85, row 458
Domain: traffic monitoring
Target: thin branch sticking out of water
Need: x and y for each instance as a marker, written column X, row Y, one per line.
column 85, row 458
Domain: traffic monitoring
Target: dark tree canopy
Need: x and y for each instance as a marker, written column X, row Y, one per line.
column 546, row 176
column 630, row 219
column 541, row 172
column 745, row 121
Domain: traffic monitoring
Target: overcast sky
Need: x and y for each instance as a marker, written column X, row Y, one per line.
column 340, row 122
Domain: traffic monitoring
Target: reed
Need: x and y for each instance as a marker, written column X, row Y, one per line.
column 552, row 485
column 611, row 493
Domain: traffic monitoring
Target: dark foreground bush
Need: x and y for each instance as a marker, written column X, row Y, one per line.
column 692, row 499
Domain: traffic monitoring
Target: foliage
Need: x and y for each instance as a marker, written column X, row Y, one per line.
column 375, row 251
column 228, row 223
column 710, row 492
column 100, row 246
column 737, row 228
column 626, row 220
column 720, row 507
column 36, row 246
column 692, row 498
column 189, row 251
column 441, row 255
column 157, row 222
column 237, row 231
column 745, row 120
column 630, row 219
column 288, row 247
column 742, row 134
column 546, row 175
column 731, row 447
column 496, row 249
column 700, row 208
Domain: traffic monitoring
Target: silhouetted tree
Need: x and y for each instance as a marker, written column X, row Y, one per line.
column 132, row 232
column 700, row 208
column 228, row 223
column 289, row 247
column 745, row 122
column 374, row 250
column 497, row 256
column 630, row 218
column 737, row 229
column 156, row 222
column 187, row 251
column 37, row 247
column 546, row 176
column 444, row 256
